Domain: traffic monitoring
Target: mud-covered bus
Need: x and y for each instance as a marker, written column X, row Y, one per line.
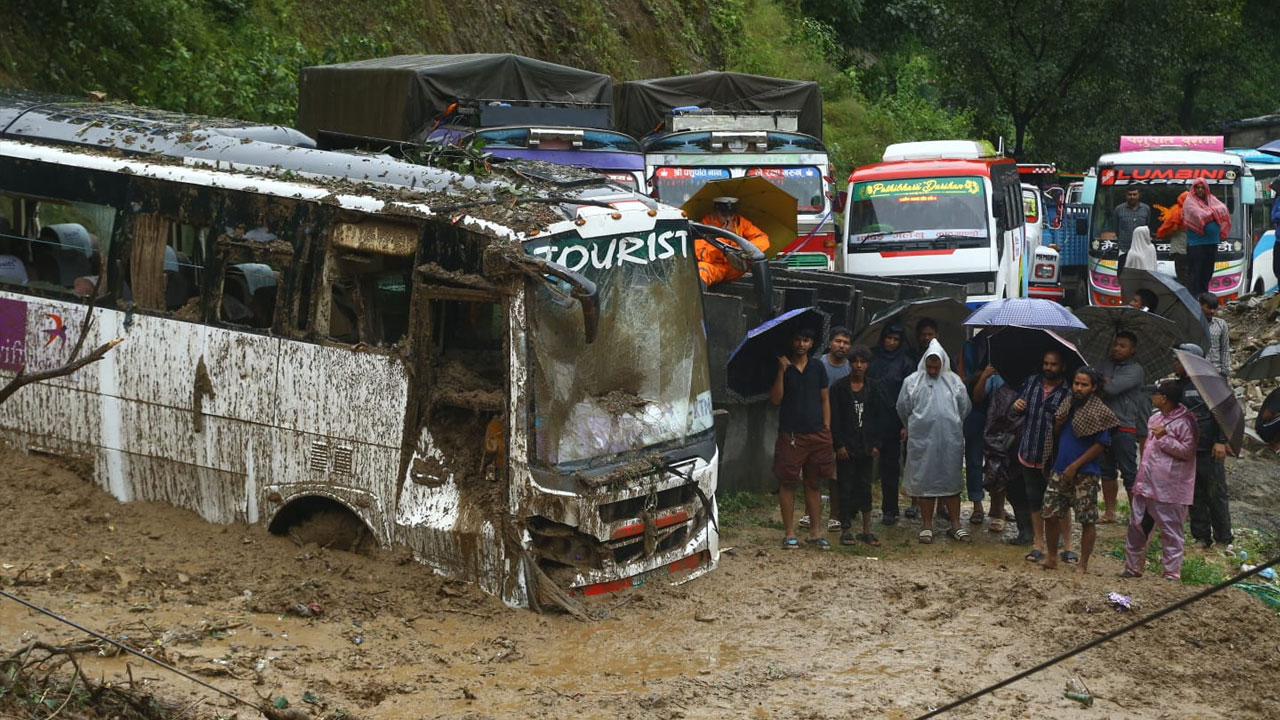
column 512, row 382
column 947, row 210
column 1161, row 175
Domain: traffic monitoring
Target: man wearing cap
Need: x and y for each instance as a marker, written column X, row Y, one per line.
column 713, row 266
column 1210, row 512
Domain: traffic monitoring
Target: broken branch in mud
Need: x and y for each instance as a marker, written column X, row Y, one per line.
column 74, row 361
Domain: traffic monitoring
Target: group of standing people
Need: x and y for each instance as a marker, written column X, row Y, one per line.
column 1194, row 226
column 1049, row 446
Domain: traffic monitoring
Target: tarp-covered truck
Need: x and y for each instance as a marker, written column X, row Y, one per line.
column 513, row 106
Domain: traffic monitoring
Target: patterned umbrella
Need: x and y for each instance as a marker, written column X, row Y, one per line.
column 1026, row 312
column 1262, row 365
column 1172, row 301
column 1217, row 394
column 753, row 364
column 1156, row 335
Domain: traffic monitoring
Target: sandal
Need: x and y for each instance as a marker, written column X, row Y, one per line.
column 803, row 521
column 820, row 543
column 1070, row 558
column 848, row 538
column 912, row 512
column 790, row 544
column 961, row 535
column 926, row 537
column 996, row 525
column 870, row 539
column 1130, row 574
column 977, row 517
column 833, row 525
column 1034, row 556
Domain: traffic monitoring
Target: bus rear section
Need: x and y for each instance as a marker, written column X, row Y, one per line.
column 927, row 213
column 680, row 163
column 1159, row 177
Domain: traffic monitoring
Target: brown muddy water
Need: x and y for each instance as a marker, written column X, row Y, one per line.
column 865, row 632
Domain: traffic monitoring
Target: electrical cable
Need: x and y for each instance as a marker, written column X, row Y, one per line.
column 130, row 650
column 1098, row 641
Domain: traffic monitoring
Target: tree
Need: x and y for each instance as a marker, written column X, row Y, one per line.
column 1023, row 58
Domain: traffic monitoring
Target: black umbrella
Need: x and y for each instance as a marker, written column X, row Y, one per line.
column 1262, row 365
column 948, row 313
column 1172, row 301
column 1017, row 353
column 753, row 365
column 1218, row 395
column 1156, row 334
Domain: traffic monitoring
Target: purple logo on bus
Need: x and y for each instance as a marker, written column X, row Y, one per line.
column 13, row 334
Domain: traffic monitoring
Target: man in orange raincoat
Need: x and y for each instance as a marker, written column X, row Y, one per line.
column 713, row 266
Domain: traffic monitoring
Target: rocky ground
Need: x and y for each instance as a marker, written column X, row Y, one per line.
column 859, row 632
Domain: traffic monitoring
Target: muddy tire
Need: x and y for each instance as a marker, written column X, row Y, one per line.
column 325, row 523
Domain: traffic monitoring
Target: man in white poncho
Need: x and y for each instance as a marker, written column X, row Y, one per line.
column 932, row 406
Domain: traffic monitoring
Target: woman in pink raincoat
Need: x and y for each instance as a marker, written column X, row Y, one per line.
column 1165, row 484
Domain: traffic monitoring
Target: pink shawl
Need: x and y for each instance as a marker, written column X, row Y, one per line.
column 1196, row 213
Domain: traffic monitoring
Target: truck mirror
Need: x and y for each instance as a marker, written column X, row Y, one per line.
column 1082, row 226
column 841, row 199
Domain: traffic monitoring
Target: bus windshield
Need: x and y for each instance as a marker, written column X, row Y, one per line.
column 918, row 209
column 1159, row 196
column 644, row 381
column 802, row 183
column 675, row 185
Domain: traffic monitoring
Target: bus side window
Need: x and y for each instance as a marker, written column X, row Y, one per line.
column 249, row 292
column 54, row 245
column 166, row 265
column 366, row 290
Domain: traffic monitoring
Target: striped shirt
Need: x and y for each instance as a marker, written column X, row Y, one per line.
column 1042, row 404
column 1219, row 345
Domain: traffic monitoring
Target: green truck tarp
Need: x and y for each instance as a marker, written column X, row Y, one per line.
column 398, row 98
column 639, row 106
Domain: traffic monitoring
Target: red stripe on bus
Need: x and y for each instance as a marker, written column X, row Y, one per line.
column 915, row 253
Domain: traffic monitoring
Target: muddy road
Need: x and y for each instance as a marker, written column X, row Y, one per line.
column 772, row 633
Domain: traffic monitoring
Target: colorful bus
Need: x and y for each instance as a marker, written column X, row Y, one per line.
column 1160, row 174
column 680, row 162
column 513, row 385
column 947, row 210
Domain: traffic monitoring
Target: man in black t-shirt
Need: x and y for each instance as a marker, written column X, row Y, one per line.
column 803, row 450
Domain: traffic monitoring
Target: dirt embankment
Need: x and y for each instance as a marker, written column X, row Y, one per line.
column 772, row 633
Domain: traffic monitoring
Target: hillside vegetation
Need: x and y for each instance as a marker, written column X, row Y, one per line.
column 1059, row 79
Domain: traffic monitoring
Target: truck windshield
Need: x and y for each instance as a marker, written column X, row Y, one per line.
column 675, row 185
column 1160, row 197
column 802, row 183
column 644, row 382
column 518, row 137
column 918, row 209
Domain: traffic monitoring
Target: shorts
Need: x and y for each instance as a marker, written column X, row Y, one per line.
column 1080, row 495
column 803, row 456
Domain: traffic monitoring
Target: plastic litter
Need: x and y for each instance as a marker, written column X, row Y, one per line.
column 1120, row 602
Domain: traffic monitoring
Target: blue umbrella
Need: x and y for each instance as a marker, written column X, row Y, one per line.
column 1026, row 312
column 753, row 365
column 1173, row 301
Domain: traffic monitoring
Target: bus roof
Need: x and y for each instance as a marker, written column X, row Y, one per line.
column 926, row 168
column 187, row 148
column 1170, row 157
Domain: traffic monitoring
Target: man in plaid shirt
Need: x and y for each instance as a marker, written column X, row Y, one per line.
column 1219, row 351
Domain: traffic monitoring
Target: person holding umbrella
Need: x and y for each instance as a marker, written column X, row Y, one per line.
column 1123, row 394
column 1166, row 482
column 713, row 266
column 932, row 406
column 803, row 451
column 1210, row 511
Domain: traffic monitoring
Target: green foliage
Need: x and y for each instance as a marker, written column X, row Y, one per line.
column 742, row 508
column 1196, row 570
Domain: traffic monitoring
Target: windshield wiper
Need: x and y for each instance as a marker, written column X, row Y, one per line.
column 875, row 236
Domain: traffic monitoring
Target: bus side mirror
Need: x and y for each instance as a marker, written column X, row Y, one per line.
column 1082, row 226
column 580, row 288
column 838, row 203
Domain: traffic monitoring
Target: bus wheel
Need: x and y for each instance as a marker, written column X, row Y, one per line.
column 325, row 522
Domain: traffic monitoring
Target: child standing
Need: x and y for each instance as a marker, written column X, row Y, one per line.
column 1166, row 482
column 1219, row 350
column 854, row 434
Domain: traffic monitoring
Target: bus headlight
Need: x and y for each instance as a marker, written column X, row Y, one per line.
column 1104, row 281
column 1223, row 283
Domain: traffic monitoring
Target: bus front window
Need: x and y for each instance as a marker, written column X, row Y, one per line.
column 802, row 183
column 675, row 185
column 644, row 381
column 1160, row 197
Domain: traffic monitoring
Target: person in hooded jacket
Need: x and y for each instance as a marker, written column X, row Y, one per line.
column 1142, row 253
column 932, row 405
column 1166, row 482
column 890, row 365
column 1207, row 222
